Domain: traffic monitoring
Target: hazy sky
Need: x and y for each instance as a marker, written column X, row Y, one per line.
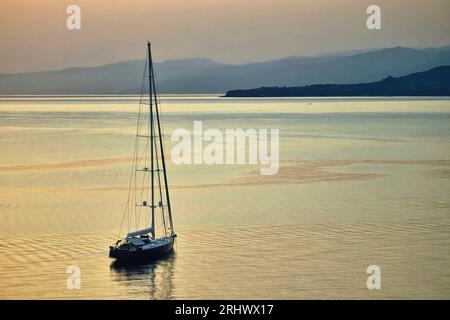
column 34, row 36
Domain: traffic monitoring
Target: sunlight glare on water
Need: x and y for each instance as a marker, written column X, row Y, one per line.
column 361, row 182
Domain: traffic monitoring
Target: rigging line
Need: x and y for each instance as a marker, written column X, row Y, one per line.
column 159, row 104
column 142, row 190
column 150, row 75
column 134, row 212
column 145, row 188
column 136, row 156
column 160, row 190
column 161, row 116
column 140, row 158
column 127, row 206
column 144, row 159
column 141, row 121
column 135, row 180
column 161, row 128
column 162, row 156
column 151, row 139
column 161, row 131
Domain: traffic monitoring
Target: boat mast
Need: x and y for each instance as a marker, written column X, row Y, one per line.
column 150, row 74
column 158, row 121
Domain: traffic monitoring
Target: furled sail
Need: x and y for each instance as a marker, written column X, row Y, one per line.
column 139, row 232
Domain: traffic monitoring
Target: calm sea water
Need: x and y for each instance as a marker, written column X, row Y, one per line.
column 361, row 182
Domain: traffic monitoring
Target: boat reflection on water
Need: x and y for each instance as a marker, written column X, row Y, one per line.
column 156, row 277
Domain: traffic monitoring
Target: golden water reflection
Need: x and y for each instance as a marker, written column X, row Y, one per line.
column 158, row 275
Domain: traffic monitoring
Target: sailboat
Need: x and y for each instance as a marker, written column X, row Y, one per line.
column 148, row 203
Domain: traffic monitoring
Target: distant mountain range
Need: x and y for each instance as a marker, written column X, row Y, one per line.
column 207, row 76
column 434, row 82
